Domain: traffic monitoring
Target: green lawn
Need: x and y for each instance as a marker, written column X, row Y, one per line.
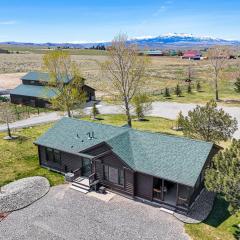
column 220, row 225
column 19, row 159
column 154, row 124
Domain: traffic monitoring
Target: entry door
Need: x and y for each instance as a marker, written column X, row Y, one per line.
column 86, row 167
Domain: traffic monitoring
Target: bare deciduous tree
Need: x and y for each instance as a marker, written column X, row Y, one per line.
column 218, row 57
column 125, row 70
column 7, row 116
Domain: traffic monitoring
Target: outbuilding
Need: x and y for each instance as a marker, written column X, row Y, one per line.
column 36, row 91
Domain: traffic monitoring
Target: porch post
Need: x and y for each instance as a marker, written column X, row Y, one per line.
column 177, row 195
column 162, row 192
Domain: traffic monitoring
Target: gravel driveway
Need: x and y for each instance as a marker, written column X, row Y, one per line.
column 67, row 214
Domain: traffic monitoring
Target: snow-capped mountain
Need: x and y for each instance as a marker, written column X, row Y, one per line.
column 169, row 40
column 176, row 40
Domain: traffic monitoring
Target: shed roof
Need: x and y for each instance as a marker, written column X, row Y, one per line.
column 43, row 92
column 172, row 158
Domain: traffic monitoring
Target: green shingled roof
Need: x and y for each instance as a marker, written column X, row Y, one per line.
column 34, row 91
column 172, row 158
column 40, row 76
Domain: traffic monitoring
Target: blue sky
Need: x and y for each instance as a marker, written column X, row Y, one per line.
column 76, row 21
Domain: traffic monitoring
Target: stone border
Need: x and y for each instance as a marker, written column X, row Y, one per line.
column 200, row 210
column 22, row 193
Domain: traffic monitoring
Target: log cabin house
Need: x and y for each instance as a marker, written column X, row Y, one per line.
column 152, row 167
column 35, row 91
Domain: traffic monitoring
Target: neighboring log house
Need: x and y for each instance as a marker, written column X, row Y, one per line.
column 34, row 90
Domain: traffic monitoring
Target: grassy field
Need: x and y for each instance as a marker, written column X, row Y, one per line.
column 42, row 50
column 162, row 72
column 19, row 159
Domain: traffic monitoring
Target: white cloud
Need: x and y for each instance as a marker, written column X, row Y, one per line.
column 163, row 8
column 10, row 22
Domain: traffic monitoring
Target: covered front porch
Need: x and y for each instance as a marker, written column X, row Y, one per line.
column 171, row 194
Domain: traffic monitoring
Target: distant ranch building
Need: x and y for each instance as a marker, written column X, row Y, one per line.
column 3, row 51
column 192, row 55
column 35, row 91
column 151, row 53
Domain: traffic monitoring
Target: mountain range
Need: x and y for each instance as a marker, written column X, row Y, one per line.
column 172, row 40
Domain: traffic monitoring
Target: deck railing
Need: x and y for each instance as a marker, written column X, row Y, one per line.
column 77, row 172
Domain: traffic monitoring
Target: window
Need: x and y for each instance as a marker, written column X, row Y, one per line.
column 106, row 172
column 53, row 155
column 113, row 175
column 57, row 157
column 49, row 154
column 121, row 177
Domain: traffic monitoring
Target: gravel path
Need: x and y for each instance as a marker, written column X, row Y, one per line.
column 200, row 210
column 65, row 214
column 23, row 192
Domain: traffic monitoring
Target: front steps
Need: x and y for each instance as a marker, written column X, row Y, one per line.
column 81, row 184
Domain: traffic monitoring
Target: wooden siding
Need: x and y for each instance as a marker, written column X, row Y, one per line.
column 90, row 93
column 28, row 101
column 129, row 181
column 114, row 161
column 69, row 162
column 97, row 150
column 143, row 186
column 99, row 170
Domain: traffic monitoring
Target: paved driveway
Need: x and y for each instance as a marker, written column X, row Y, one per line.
column 67, row 214
column 159, row 109
column 169, row 110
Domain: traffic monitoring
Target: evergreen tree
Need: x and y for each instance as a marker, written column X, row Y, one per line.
column 142, row 104
column 199, row 87
column 178, row 90
column 189, row 88
column 95, row 111
column 209, row 123
column 180, row 121
column 237, row 85
column 166, row 93
column 223, row 175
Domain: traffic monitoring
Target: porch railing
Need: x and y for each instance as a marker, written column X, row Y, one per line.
column 77, row 172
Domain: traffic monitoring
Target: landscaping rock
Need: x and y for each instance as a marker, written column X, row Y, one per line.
column 200, row 210
column 23, row 192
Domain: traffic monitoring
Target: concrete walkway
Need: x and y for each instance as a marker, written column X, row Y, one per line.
column 159, row 109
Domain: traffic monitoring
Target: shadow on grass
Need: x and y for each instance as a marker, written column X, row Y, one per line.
column 236, row 231
column 99, row 119
column 219, row 212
